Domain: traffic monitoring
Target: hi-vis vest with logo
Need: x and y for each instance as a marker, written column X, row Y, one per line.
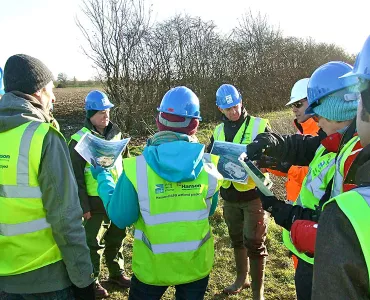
column 173, row 239
column 26, row 240
column 243, row 136
column 116, row 171
column 345, row 152
column 355, row 204
column 321, row 171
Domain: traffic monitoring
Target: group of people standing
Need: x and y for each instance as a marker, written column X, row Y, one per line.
column 58, row 211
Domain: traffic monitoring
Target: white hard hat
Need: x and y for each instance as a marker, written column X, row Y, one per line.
column 299, row 91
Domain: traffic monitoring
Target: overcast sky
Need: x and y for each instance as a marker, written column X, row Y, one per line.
column 46, row 28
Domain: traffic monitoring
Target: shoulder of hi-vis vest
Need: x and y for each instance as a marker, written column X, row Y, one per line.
column 245, row 135
column 321, row 171
column 173, row 239
column 116, row 171
column 345, row 152
column 355, row 204
column 26, row 239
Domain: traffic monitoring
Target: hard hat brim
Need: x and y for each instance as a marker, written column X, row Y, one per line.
column 229, row 105
column 294, row 101
column 309, row 111
column 180, row 115
column 355, row 74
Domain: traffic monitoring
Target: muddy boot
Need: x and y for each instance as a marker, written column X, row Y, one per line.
column 242, row 269
column 257, row 271
column 100, row 292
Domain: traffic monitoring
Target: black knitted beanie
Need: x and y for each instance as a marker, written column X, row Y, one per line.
column 25, row 74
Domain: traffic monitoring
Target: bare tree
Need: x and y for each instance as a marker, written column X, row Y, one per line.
column 114, row 30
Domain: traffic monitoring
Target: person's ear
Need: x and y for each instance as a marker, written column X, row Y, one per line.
column 37, row 94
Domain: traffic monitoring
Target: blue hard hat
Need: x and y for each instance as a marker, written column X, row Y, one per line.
column 97, row 100
column 180, row 101
column 227, row 96
column 1, row 82
column 325, row 81
column 361, row 68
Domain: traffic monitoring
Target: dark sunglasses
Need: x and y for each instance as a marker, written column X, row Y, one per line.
column 298, row 104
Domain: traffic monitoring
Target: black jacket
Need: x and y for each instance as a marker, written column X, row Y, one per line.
column 231, row 128
column 340, row 270
column 90, row 203
column 285, row 214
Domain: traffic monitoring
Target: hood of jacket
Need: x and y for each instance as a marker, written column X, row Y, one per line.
column 17, row 108
column 174, row 157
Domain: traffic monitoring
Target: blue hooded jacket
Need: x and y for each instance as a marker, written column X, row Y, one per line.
column 174, row 161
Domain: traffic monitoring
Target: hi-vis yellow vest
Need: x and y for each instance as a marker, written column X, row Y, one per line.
column 355, row 204
column 26, row 240
column 245, row 135
column 321, row 171
column 173, row 239
column 116, row 171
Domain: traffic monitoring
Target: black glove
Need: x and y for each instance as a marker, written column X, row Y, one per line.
column 273, row 163
column 257, row 147
column 267, row 162
column 86, row 293
column 269, row 203
column 283, row 167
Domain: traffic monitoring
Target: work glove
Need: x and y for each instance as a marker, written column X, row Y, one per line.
column 86, row 293
column 270, row 204
column 303, row 235
column 96, row 170
column 273, row 164
column 283, row 167
column 258, row 146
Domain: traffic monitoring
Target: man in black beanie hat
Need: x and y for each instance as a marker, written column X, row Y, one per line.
column 42, row 241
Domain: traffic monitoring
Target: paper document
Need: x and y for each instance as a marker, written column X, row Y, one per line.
column 264, row 184
column 98, row 151
column 228, row 164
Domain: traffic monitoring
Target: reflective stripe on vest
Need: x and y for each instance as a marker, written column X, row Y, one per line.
column 23, row 217
column 355, row 204
column 173, row 240
column 143, row 195
column 23, row 228
column 342, row 157
column 22, row 189
column 171, row 247
column 255, row 126
column 313, row 188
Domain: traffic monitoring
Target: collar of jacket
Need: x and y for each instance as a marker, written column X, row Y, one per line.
column 358, row 174
column 337, row 140
column 239, row 122
column 109, row 133
column 307, row 127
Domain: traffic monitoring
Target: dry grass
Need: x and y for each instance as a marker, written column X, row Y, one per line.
column 279, row 274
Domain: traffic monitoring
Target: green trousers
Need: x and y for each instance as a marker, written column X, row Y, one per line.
column 101, row 234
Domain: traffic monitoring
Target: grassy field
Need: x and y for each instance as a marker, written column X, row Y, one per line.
column 279, row 283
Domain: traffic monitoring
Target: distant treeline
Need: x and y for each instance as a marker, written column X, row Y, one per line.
column 77, row 83
column 139, row 59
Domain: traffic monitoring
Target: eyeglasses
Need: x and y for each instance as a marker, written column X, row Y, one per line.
column 298, row 104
